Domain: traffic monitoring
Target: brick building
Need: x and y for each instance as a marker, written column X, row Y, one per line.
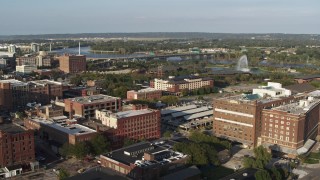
column 72, row 63
column 86, row 106
column 134, row 124
column 15, row 94
column 238, row 118
column 144, row 160
column 81, row 91
column 304, row 79
column 16, row 145
column 148, row 93
column 60, row 131
column 291, row 128
column 178, row 84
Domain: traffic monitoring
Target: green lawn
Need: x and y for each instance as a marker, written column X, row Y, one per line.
column 314, row 155
column 215, row 172
column 311, row 161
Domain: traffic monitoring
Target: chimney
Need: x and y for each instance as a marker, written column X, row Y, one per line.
column 71, row 112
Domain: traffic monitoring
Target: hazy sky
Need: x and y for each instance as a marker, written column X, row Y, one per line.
column 99, row 16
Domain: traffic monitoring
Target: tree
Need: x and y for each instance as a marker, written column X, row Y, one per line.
column 128, row 142
column 99, row 144
column 261, row 154
column 169, row 99
column 63, row 174
column 167, row 134
column 80, row 150
column 276, row 175
column 66, row 150
column 262, row 175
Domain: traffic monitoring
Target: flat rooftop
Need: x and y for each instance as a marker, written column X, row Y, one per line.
column 14, row 82
column 45, row 82
column 132, row 113
column 249, row 98
column 148, row 90
column 177, row 109
column 11, row 128
column 190, row 111
column 300, row 107
column 94, row 99
column 73, row 129
column 133, row 154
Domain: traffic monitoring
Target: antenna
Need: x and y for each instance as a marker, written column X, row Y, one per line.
column 79, row 48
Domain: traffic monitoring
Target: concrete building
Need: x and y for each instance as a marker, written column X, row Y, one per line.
column 86, row 106
column 144, row 160
column 42, row 60
column 178, row 84
column 25, row 69
column 72, row 63
column 35, row 47
column 148, row 93
column 12, row 48
column 134, row 124
column 238, row 118
column 16, row 145
column 60, row 131
column 291, row 128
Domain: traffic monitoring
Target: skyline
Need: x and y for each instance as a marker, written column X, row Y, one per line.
column 98, row 16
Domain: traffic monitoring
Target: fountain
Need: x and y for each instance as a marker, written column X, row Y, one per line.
column 243, row 64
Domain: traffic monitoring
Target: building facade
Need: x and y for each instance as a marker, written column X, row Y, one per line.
column 25, row 69
column 72, row 63
column 15, row 94
column 16, row 145
column 238, row 118
column 178, row 84
column 148, row 93
column 290, row 128
column 133, row 124
column 86, row 106
column 60, row 131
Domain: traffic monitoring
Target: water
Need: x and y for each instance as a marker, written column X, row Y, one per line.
column 86, row 51
column 243, row 64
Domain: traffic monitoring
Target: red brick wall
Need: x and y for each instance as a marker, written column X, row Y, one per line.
column 17, row 148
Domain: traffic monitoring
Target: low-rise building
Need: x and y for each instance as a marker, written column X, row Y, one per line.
column 180, row 83
column 16, row 145
column 133, row 124
column 148, row 93
column 86, row 106
column 81, row 91
column 291, row 128
column 25, row 69
column 61, row 131
column 144, row 160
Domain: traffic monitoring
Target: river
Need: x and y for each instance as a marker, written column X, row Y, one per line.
column 86, row 51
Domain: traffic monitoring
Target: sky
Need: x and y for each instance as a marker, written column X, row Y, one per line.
column 19, row 17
